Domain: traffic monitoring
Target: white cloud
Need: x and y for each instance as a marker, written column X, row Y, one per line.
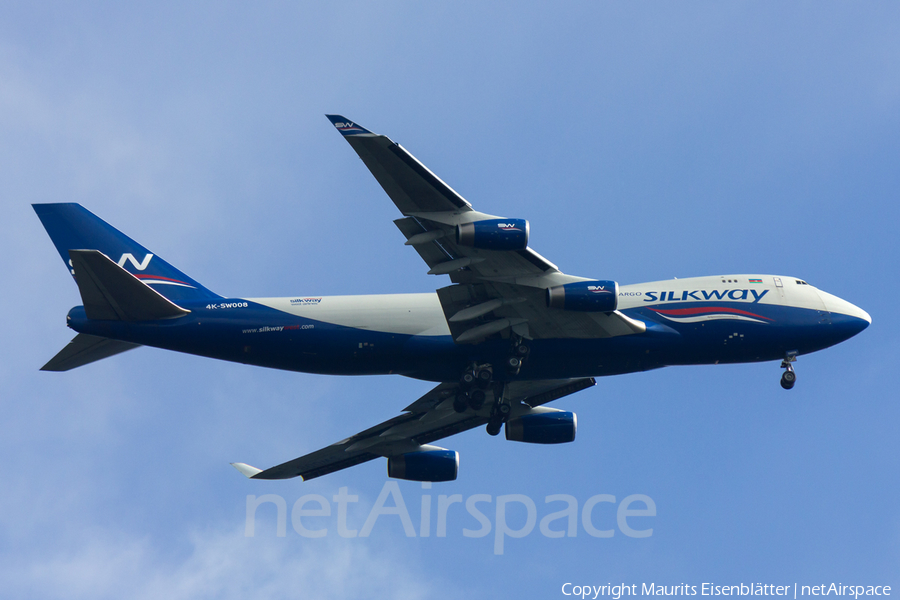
column 220, row 564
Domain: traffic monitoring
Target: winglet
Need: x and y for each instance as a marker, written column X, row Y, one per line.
column 246, row 470
column 347, row 127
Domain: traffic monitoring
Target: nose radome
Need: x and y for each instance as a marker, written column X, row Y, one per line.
column 839, row 306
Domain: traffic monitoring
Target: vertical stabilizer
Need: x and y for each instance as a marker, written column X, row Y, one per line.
column 72, row 227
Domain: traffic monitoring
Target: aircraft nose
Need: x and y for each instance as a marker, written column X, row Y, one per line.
column 850, row 318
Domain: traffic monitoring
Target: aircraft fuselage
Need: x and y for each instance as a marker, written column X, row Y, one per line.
column 703, row 320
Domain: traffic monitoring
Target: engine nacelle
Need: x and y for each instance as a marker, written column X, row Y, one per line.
column 585, row 296
column 494, row 234
column 556, row 427
column 427, row 465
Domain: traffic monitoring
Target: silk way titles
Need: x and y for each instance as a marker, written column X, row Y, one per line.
column 703, row 295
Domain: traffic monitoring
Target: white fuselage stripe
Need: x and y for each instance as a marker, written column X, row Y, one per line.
column 421, row 314
column 403, row 314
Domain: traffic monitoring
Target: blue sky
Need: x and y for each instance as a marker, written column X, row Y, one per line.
column 643, row 141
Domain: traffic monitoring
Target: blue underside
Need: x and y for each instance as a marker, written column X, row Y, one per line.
column 262, row 336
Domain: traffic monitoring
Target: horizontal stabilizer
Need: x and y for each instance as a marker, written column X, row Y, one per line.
column 85, row 349
column 111, row 293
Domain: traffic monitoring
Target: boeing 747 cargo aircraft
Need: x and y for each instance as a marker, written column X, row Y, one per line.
column 509, row 335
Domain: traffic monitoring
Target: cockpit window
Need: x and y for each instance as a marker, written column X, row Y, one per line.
column 801, row 282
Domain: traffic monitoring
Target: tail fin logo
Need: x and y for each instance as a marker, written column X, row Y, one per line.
column 129, row 257
column 150, row 279
column 348, row 127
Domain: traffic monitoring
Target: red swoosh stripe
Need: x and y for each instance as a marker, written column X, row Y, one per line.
column 684, row 312
column 143, row 276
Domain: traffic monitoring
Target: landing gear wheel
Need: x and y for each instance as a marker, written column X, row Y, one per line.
column 484, row 378
column 467, row 380
column 788, row 379
column 522, row 350
column 513, row 364
column 461, row 403
column 503, row 409
column 476, row 399
column 494, row 426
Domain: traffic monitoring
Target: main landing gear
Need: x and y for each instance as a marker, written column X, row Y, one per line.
column 472, row 385
column 517, row 356
column 788, row 378
column 500, row 411
column 477, row 380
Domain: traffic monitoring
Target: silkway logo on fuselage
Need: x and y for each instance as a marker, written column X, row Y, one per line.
column 704, row 295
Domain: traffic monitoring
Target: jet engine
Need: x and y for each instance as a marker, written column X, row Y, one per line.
column 494, row 234
column 557, row 427
column 425, row 465
column 585, row 296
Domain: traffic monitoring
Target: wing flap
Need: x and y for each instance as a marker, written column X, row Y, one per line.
column 432, row 252
column 511, row 304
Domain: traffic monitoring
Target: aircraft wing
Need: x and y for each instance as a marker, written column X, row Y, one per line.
column 495, row 290
column 428, row 419
column 409, row 183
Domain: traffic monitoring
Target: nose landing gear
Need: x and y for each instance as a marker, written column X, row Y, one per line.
column 788, row 378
